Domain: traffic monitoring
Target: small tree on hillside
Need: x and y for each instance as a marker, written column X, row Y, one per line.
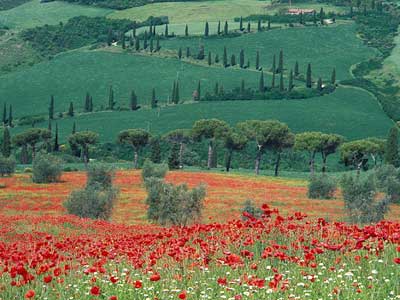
column 308, row 76
column 84, row 140
column 6, row 144
column 136, row 138
column 310, row 142
column 233, row 141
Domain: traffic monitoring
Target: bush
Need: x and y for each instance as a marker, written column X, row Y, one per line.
column 359, row 195
column 387, row 179
column 7, row 166
column 250, row 209
column 321, row 187
column 92, row 202
column 173, row 205
column 101, row 175
column 150, row 169
column 46, row 169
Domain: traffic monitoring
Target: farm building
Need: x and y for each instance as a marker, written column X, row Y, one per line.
column 298, row 11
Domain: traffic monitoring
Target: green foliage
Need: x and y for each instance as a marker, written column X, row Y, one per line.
column 388, row 181
column 91, row 202
column 357, row 152
column 174, row 160
column 173, row 205
column 7, row 166
column 6, row 143
column 46, row 168
column 392, row 147
column 321, row 187
column 84, row 140
column 101, row 175
column 76, row 33
column 155, row 152
column 359, row 194
column 250, row 209
column 8, row 4
column 152, row 170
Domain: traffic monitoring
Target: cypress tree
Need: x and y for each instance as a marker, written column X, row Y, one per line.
column 177, row 96
column 315, row 17
column 71, row 109
column 280, row 63
column 321, row 16
column 269, row 24
column 233, row 60
column 4, row 114
column 209, row 58
column 87, row 102
column 131, row 41
column 392, row 146
column 109, row 37
column 241, row 58
column 158, row 47
column 319, row 84
column 155, row 150
column 133, row 102
column 56, row 147
column 6, row 145
column 91, row 104
column 258, row 60
column 145, row 40
column 248, row 27
column 111, row 101
column 259, row 25
column 308, row 77
column 242, row 87
column 10, row 117
column 216, row 58
column 290, row 85
column 74, row 128
column 225, row 58
column 187, row 52
column 206, row 30
column 301, row 19
column 261, row 85
column 51, row 108
column 166, row 31
column 123, row 40
column 134, row 29
column 151, row 45
column 154, row 30
column 281, row 84
column 241, row 24
column 153, row 98
column 198, row 91
column 296, row 69
column 333, row 76
column 151, row 29
column 226, row 29
column 201, row 55
column 219, row 28
column 273, row 68
column 180, row 53
column 49, row 125
column 186, row 30
column 137, row 44
column 216, row 89
column 173, row 92
column 273, row 80
column 221, row 90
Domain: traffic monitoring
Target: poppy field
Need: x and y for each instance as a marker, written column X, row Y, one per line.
column 299, row 249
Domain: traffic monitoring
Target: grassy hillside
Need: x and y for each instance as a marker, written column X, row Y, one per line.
column 68, row 77
column 188, row 12
column 351, row 112
column 34, row 13
column 324, row 47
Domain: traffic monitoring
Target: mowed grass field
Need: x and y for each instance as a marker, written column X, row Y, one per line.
column 350, row 112
column 34, row 13
column 323, row 47
column 69, row 76
column 220, row 10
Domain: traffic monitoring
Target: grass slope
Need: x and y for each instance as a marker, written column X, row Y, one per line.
column 324, row 47
column 69, row 76
column 351, row 112
column 34, row 13
column 188, row 12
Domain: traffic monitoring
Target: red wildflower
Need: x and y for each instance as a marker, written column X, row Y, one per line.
column 95, row 291
column 47, row 279
column 397, row 260
column 155, row 277
column 113, row 298
column 138, row 284
column 30, row 294
column 182, row 295
column 222, row 281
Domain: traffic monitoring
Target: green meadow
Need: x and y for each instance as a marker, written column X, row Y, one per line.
column 34, row 13
column 350, row 112
column 323, row 47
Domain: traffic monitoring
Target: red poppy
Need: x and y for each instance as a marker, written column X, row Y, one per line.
column 138, row 284
column 113, row 298
column 95, row 291
column 182, row 295
column 47, row 279
column 155, row 277
column 397, row 260
column 30, row 294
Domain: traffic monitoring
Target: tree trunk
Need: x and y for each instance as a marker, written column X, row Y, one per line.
column 359, row 165
column 181, row 156
column 135, row 159
column 210, row 154
column 24, row 155
column 228, row 160
column 277, row 163
column 324, row 157
column 258, row 161
column 86, row 156
column 33, row 151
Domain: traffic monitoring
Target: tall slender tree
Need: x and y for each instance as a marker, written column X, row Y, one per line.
column 280, row 62
column 296, row 69
column 225, row 58
column 6, row 145
column 51, row 108
column 258, row 60
column 133, row 101
column 206, row 30
column 226, row 28
column 241, row 58
column 308, row 76
column 273, row 68
column 333, row 76
column 186, row 30
column 111, row 101
column 209, row 58
column 71, row 109
column 281, row 84
column 153, row 98
column 166, row 34
column 219, row 28
column 241, row 24
column 261, row 85
column 10, row 116
column 56, row 147
column 290, row 85
column 392, row 147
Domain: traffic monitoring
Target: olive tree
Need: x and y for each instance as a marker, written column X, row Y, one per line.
column 137, row 138
column 211, row 130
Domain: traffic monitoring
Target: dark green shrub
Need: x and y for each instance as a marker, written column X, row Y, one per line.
column 360, row 195
column 101, row 175
column 46, row 169
column 7, row 166
column 92, row 202
column 321, row 187
column 150, row 169
column 173, row 205
column 250, row 208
